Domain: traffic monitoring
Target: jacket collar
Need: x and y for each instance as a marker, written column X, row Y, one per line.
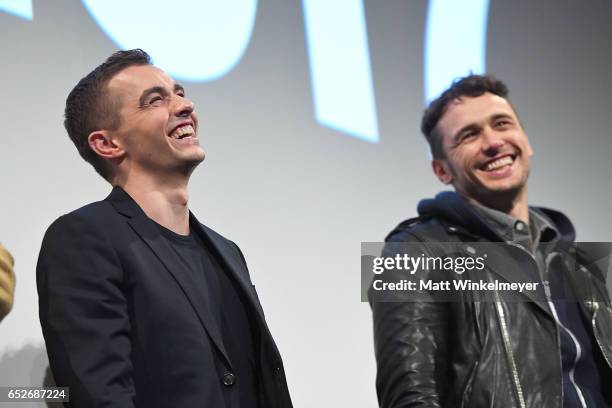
column 455, row 210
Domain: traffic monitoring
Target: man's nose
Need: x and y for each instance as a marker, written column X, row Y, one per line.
column 183, row 106
column 492, row 141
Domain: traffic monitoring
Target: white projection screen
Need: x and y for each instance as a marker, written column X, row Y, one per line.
column 309, row 116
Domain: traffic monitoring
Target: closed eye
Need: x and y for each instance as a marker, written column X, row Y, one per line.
column 155, row 99
column 503, row 123
column 153, row 96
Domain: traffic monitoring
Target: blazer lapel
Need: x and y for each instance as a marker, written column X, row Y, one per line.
column 231, row 261
column 147, row 231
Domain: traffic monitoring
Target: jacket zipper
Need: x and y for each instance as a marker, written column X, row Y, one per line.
column 571, row 335
column 508, row 347
column 559, row 324
column 596, row 307
column 506, row 335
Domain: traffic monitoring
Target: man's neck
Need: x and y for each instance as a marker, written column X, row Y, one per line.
column 516, row 206
column 164, row 201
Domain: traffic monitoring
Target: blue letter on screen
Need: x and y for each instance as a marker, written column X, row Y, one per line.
column 455, row 42
column 340, row 67
column 195, row 40
column 19, row 8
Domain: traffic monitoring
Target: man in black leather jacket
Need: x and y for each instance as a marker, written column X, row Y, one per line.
column 483, row 349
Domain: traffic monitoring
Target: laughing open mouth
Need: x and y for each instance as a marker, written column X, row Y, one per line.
column 183, row 131
column 499, row 163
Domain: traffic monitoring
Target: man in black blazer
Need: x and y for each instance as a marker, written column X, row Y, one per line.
column 140, row 304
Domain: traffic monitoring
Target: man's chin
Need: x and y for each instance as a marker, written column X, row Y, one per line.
column 186, row 164
column 507, row 184
column 501, row 188
column 194, row 161
column 195, row 156
column 493, row 192
column 483, row 189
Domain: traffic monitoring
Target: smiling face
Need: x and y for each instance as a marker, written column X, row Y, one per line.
column 487, row 153
column 157, row 130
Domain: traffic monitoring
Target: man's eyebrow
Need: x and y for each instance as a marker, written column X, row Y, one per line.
column 502, row 116
column 154, row 89
column 179, row 88
column 471, row 126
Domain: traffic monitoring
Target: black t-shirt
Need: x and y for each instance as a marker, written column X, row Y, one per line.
column 228, row 306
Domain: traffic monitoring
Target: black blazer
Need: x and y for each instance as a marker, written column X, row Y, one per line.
column 124, row 324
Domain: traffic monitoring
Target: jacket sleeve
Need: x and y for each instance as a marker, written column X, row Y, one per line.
column 410, row 340
column 83, row 314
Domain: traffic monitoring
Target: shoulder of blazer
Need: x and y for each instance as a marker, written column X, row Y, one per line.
column 92, row 213
column 100, row 210
column 100, row 216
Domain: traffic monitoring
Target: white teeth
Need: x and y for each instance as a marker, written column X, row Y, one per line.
column 183, row 131
column 504, row 161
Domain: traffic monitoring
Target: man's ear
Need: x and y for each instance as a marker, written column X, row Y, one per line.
column 442, row 171
column 104, row 145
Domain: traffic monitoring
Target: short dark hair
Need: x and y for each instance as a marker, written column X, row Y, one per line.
column 471, row 86
column 89, row 106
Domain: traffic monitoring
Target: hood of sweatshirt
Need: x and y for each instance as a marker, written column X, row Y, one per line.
column 454, row 209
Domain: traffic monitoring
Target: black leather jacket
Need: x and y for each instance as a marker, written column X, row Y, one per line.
column 471, row 353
